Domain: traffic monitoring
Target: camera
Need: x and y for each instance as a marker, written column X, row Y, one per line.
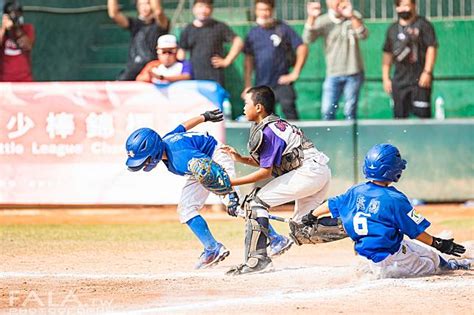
column 15, row 12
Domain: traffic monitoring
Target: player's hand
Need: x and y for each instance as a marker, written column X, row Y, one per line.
column 231, row 152
column 313, row 9
column 213, row 115
column 244, row 92
column 219, row 62
column 346, row 9
column 7, row 23
column 425, row 80
column 309, row 219
column 233, row 205
column 287, row 79
column 387, row 86
column 448, row 246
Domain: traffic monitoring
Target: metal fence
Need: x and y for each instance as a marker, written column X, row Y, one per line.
column 294, row 10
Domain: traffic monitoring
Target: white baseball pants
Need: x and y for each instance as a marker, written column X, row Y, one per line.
column 411, row 260
column 194, row 195
column 307, row 186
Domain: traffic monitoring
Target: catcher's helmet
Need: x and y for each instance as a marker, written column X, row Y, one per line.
column 383, row 162
column 144, row 149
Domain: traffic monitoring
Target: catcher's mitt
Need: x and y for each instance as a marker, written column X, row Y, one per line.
column 211, row 175
column 323, row 231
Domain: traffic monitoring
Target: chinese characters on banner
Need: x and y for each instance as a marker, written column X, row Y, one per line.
column 64, row 143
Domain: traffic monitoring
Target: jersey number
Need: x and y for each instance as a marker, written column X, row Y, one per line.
column 360, row 223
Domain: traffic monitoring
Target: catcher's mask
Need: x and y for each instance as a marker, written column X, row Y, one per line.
column 384, row 163
column 144, row 149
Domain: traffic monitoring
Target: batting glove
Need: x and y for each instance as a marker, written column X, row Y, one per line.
column 233, row 206
column 309, row 219
column 213, row 115
column 448, row 246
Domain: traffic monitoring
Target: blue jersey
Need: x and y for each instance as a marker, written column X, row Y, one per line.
column 376, row 218
column 181, row 146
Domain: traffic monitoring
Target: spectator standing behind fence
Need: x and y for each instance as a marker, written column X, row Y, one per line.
column 205, row 38
column 411, row 45
column 16, row 42
column 145, row 30
column 272, row 48
column 342, row 28
column 167, row 68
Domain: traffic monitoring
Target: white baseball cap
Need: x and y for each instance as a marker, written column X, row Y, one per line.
column 167, row 41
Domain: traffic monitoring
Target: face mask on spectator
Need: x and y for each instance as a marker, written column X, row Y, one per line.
column 405, row 15
column 264, row 21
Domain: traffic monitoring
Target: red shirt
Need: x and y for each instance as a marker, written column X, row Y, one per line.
column 15, row 64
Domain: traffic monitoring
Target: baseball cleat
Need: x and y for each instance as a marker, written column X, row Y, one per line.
column 210, row 258
column 279, row 245
column 252, row 266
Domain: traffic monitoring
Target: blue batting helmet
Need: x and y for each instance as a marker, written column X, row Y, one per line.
column 144, row 149
column 384, row 163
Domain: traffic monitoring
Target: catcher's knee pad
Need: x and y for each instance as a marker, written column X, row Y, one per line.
column 325, row 230
column 253, row 203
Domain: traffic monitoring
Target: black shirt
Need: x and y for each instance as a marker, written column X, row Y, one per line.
column 143, row 44
column 409, row 44
column 204, row 43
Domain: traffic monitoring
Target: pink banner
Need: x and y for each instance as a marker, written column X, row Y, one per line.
column 64, row 143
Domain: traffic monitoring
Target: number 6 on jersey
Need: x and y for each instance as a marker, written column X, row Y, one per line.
column 360, row 223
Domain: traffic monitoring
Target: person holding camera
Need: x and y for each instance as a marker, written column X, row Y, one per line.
column 342, row 29
column 411, row 45
column 16, row 42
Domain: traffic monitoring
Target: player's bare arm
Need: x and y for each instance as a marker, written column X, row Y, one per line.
column 236, row 156
column 173, row 78
column 444, row 246
column 386, row 65
column 248, row 69
column 115, row 14
column 213, row 116
column 312, row 217
column 260, row 174
column 301, row 56
column 426, row 76
column 219, row 62
column 159, row 13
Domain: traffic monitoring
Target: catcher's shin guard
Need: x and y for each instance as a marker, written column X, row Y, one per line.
column 325, row 230
column 256, row 239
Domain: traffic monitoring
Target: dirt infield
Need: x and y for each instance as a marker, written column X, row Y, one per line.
column 140, row 261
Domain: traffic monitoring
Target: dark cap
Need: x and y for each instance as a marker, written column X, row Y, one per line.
column 11, row 6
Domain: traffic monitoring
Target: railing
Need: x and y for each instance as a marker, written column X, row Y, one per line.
column 293, row 10
column 290, row 10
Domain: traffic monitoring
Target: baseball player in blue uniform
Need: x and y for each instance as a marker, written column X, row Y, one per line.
column 197, row 156
column 376, row 216
column 300, row 173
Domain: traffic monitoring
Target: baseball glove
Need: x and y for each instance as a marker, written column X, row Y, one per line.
column 324, row 230
column 211, row 175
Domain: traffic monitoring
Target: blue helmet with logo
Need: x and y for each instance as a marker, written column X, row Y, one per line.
column 144, row 149
column 384, row 163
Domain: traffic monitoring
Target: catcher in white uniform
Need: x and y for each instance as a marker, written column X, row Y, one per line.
column 300, row 172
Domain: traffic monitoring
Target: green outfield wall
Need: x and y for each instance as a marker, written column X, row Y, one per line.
column 440, row 154
column 454, row 73
column 77, row 45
